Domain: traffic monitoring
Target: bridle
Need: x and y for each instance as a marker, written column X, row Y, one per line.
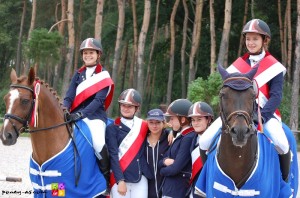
column 25, row 121
column 235, row 114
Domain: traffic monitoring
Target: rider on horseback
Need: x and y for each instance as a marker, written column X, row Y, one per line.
column 88, row 97
column 269, row 78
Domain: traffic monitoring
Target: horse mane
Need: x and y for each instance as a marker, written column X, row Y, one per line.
column 23, row 78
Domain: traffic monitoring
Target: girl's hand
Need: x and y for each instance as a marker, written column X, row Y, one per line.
column 122, row 188
column 170, row 137
column 168, row 161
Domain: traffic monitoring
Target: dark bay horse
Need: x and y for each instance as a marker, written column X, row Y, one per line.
column 244, row 162
column 62, row 162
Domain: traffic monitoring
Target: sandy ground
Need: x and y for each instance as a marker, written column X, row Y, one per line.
column 14, row 162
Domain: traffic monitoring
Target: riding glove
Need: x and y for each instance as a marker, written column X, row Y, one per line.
column 73, row 117
column 255, row 119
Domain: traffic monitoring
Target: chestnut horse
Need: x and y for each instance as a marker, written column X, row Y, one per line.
column 244, row 162
column 62, row 161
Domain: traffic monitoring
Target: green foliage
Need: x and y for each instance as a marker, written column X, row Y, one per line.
column 43, row 45
column 285, row 106
column 206, row 90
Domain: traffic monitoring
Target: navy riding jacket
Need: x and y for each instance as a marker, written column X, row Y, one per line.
column 177, row 175
column 115, row 133
column 153, row 156
column 93, row 107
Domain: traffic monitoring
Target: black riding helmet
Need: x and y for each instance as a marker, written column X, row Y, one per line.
column 202, row 109
column 130, row 97
column 257, row 26
column 91, row 43
column 179, row 108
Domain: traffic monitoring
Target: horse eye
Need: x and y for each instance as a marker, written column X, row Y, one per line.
column 24, row 101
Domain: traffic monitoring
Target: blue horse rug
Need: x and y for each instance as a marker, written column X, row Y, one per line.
column 56, row 176
column 265, row 180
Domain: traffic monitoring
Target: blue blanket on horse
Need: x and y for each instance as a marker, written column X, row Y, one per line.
column 56, row 177
column 265, row 180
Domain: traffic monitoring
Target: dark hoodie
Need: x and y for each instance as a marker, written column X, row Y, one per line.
column 153, row 156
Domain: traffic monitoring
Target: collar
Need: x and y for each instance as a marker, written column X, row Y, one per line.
column 254, row 59
column 98, row 69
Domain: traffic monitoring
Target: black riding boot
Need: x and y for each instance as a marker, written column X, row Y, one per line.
column 104, row 166
column 203, row 156
column 285, row 162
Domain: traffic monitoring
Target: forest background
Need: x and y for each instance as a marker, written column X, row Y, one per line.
column 165, row 49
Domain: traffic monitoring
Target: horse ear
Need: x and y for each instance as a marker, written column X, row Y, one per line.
column 252, row 72
column 13, row 76
column 223, row 72
column 31, row 76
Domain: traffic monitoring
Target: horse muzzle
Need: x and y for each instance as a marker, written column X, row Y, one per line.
column 8, row 137
column 240, row 135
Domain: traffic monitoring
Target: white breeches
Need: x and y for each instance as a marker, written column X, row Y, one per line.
column 97, row 128
column 134, row 190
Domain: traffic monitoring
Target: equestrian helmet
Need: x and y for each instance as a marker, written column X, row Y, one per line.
column 91, row 43
column 130, row 97
column 179, row 107
column 257, row 26
column 201, row 109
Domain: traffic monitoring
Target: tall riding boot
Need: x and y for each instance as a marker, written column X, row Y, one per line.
column 203, row 156
column 104, row 166
column 285, row 162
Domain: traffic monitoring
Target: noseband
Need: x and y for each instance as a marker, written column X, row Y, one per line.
column 25, row 122
column 235, row 114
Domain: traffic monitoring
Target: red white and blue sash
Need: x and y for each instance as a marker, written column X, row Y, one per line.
column 91, row 86
column 131, row 144
column 268, row 68
column 196, row 163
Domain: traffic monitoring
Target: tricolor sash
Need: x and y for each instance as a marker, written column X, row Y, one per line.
column 268, row 68
column 196, row 163
column 91, row 86
column 131, row 145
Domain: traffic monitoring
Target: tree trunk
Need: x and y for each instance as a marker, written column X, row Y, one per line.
column 133, row 68
column 141, row 46
column 283, row 58
column 31, row 28
column 242, row 41
column 19, row 48
column 223, row 53
column 124, row 65
column 33, row 17
column 77, row 54
column 70, row 53
column 98, row 21
column 172, row 51
column 116, row 61
column 289, row 41
column 152, row 47
column 195, row 39
column 213, row 55
column 61, row 29
column 295, row 87
column 183, row 48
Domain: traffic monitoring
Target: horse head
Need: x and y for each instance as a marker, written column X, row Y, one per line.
column 29, row 104
column 19, row 103
column 237, row 100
